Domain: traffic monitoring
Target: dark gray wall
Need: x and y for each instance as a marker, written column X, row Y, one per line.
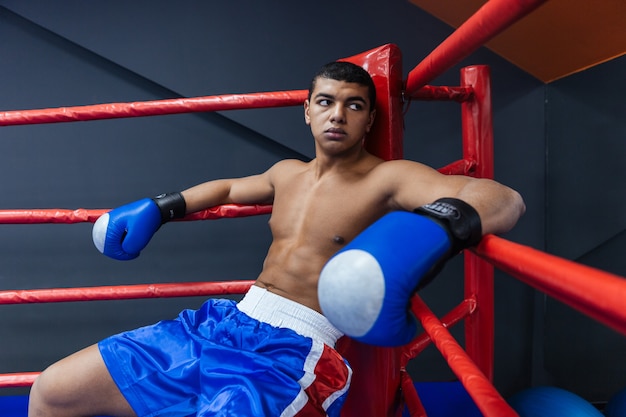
column 73, row 53
column 586, row 220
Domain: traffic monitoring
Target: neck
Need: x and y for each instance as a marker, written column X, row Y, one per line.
column 336, row 164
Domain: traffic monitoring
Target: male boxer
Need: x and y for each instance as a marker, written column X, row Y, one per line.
column 273, row 353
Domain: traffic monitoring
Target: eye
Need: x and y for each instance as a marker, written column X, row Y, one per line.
column 324, row 102
column 355, row 106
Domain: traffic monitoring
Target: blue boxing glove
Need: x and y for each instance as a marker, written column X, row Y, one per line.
column 123, row 232
column 365, row 289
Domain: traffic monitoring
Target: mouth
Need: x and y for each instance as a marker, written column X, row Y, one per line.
column 335, row 133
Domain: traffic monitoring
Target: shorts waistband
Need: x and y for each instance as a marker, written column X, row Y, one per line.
column 270, row 308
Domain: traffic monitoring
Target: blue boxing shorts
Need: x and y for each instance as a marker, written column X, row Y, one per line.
column 264, row 356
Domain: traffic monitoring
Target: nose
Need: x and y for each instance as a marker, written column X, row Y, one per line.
column 338, row 114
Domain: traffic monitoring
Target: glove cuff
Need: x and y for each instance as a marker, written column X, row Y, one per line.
column 459, row 218
column 171, row 205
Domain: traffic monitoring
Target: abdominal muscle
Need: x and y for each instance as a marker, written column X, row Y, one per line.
column 293, row 272
column 297, row 255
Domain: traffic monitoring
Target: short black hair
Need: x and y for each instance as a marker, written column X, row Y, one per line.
column 348, row 72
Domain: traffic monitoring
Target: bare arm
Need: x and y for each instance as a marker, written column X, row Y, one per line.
column 498, row 206
column 255, row 189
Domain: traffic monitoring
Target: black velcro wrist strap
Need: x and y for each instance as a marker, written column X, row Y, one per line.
column 171, row 205
column 459, row 218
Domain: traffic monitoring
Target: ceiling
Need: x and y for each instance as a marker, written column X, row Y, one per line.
column 559, row 38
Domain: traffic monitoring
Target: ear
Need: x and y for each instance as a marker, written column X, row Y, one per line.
column 307, row 118
column 370, row 122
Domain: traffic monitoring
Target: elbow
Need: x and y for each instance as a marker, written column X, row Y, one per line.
column 515, row 209
column 504, row 214
column 518, row 204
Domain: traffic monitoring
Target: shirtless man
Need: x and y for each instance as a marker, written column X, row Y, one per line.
column 318, row 207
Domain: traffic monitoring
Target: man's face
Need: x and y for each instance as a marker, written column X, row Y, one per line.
column 338, row 113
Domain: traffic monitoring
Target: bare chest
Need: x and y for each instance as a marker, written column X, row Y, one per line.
column 321, row 213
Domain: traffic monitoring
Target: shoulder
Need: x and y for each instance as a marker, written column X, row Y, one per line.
column 284, row 169
column 410, row 184
column 403, row 168
column 287, row 166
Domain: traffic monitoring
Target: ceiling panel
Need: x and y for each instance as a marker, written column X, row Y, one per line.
column 558, row 39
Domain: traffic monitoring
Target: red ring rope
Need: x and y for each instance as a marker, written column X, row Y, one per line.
column 475, row 382
column 124, row 292
column 34, row 216
column 596, row 293
column 154, row 108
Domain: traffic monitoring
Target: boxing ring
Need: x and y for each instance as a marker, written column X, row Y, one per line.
column 379, row 373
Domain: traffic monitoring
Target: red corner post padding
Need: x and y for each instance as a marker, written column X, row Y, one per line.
column 375, row 389
column 385, row 66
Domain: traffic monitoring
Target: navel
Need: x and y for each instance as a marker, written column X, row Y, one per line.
column 339, row 240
